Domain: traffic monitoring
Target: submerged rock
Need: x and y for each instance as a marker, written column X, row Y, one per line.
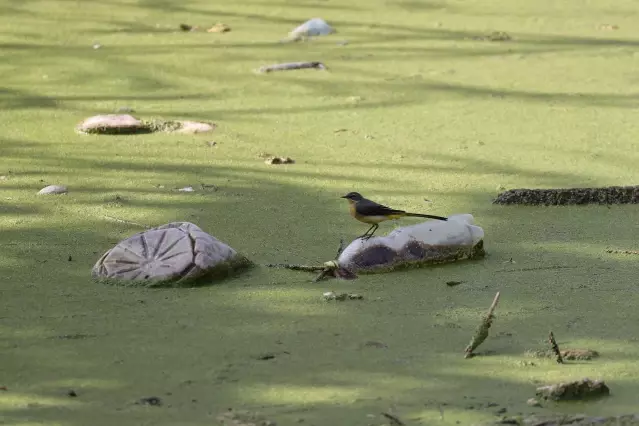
column 177, row 254
column 426, row 243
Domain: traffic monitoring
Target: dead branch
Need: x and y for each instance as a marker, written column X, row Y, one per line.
column 482, row 331
column 340, row 249
column 394, row 420
column 555, row 348
column 305, row 268
column 327, row 270
column 292, row 66
column 615, row 251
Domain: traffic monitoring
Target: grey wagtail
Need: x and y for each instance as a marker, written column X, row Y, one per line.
column 370, row 212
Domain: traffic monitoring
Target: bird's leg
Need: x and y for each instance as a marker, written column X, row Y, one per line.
column 365, row 234
column 374, row 228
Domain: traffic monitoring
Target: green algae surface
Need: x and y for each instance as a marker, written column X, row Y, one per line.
column 419, row 103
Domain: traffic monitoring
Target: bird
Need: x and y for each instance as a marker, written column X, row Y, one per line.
column 372, row 213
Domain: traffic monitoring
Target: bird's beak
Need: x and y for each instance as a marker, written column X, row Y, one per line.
column 343, row 196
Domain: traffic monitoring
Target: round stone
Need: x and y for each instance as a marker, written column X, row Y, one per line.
column 53, row 190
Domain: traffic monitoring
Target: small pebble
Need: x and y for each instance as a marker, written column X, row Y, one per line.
column 72, row 393
column 53, row 189
column 187, row 189
column 151, row 400
column 265, row 356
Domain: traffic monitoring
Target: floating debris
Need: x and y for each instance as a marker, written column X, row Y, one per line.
column 219, row 28
column 279, row 160
column 570, row 196
column 482, row 331
column 577, row 390
column 291, row 66
column 330, row 295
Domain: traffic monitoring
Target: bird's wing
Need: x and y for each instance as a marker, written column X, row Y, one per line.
column 371, row 208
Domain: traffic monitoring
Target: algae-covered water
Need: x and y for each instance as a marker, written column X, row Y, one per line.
column 416, row 105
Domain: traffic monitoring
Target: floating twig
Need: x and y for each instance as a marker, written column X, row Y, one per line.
column 394, row 420
column 293, row 267
column 615, row 251
column 482, row 331
column 292, row 66
column 555, row 348
column 566, row 354
column 328, row 269
column 540, row 268
column 340, row 249
column 331, row 295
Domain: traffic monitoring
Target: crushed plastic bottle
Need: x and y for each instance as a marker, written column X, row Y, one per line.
column 426, row 243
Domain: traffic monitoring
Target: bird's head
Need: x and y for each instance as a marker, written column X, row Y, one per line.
column 353, row 196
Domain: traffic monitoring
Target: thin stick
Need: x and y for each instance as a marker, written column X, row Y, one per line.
column 555, row 348
column 325, row 272
column 292, row 66
column 340, row 249
column 482, row 331
column 493, row 305
column 394, row 420
column 615, row 251
column 542, row 268
column 292, row 267
column 127, row 222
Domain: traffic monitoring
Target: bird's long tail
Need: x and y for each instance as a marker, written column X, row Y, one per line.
column 429, row 216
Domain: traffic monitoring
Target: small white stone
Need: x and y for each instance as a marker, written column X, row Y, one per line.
column 313, row 27
column 187, row 189
column 112, row 124
column 53, row 190
column 192, row 127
